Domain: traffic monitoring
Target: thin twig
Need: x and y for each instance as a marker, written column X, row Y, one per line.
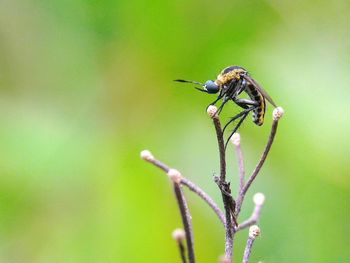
column 248, row 250
column 259, row 200
column 254, row 232
column 186, row 220
column 236, row 140
column 182, row 252
column 157, row 163
column 179, row 235
column 192, row 186
column 205, row 197
column 257, row 168
column 221, row 144
column 176, row 177
column 224, row 186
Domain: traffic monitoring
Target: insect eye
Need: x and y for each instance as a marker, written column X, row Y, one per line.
column 211, row 86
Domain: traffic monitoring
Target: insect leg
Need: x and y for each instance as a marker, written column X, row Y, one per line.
column 218, row 111
column 245, row 103
column 237, row 126
column 239, row 115
column 226, row 96
column 215, row 101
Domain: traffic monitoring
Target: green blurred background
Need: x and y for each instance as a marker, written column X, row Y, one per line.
column 86, row 85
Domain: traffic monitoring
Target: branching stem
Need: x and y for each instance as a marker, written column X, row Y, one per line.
column 186, row 220
column 244, row 190
column 226, row 193
column 193, row 187
column 254, row 218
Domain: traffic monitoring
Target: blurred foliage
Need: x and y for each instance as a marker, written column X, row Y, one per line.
column 85, row 85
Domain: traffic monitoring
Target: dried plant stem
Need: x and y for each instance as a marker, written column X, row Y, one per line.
column 232, row 208
column 257, row 168
column 182, row 252
column 259, row 199
column 159, row 164
column 186, row 220
column 221, row 144
column 205, row 197
column 176, row 177
column 249, row 222
column 248, row 250
column 193, row 187
column 226, row 197
column 241, row 168
column 254, row 232
column 179, row 235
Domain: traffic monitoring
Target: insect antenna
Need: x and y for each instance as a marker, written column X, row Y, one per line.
column 189, row 81
column 192, row 82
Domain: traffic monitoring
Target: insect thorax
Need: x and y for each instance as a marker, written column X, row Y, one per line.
column 229, row 74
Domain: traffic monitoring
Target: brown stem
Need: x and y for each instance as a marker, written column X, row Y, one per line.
column 254, row 218
column 159, row 164
column 254, row 232
column 179, row 236
column 226, row 197
column 182, row 252
column 248, row 250
column 184, row 211
column 257, row 168
column 193, row 187
column 221, row 144
column 186, row 220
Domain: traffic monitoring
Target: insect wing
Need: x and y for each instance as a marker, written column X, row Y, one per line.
column 260, row 89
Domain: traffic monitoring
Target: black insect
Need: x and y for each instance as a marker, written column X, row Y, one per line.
column 230, row 83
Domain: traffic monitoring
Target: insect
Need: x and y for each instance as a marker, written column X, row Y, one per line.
column 230, row 83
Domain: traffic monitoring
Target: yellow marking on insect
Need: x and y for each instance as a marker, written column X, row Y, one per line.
column 224, row 78
column 262, row 107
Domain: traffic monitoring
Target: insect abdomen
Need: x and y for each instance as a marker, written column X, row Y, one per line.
column 258, row 113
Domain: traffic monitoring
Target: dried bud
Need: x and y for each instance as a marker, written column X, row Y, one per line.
column 277, row 113
column 254, row 231
column 236, row 139
column 179, row 234
column 259, row 199
column 212, row 110
column 175, row 175
column 147, row 155
column 224, row 259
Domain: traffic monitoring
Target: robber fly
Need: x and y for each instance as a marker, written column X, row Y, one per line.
column 230, row 83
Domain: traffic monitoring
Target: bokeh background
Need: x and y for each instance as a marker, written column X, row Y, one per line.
column 85, row 85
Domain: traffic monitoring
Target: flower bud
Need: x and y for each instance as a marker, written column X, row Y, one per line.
column 175, row 175
column 236, row 139
column 179, row 234
column 212, row 110
column 146, row 155
column 259, row 199
column 277, row 113
column 254, row 231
